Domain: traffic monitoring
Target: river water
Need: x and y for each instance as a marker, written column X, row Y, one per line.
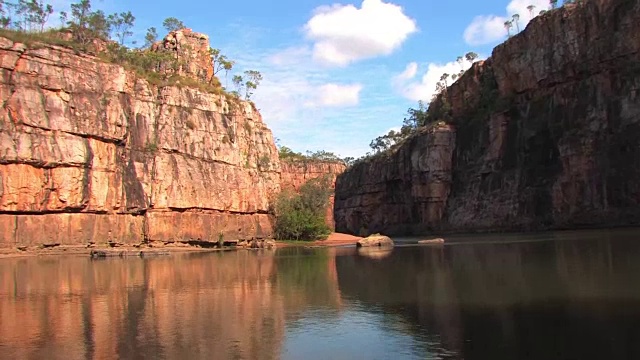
column 564, row 295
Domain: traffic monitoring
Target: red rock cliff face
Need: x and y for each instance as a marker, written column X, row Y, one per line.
column 89, row 152
column 295, row 173
column 544, row 135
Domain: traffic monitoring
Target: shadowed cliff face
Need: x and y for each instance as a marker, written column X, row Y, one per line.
column 92, row 153
column 544, row 135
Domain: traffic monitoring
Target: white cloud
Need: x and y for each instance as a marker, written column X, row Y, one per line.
column 290, row 56
column 336, row 95
column 409, row 72
column 304, row 103
column 343, row 34
column 425, row 87
column 485, row 29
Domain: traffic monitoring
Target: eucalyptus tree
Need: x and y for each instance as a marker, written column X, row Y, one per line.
column 508, row 25
column 515, row 18
column 530, row 8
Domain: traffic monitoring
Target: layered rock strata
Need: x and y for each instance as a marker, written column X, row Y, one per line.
column 543, row 134
column 93, row 153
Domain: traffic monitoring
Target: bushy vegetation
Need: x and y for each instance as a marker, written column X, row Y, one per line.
column 286, row 154
column 300, row 215
column 107, row 36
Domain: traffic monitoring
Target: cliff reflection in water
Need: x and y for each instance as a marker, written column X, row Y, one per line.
column 554, row 299
column 571, row 297
column 212, row 305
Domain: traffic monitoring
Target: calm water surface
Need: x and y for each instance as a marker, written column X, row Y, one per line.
column 568, row 295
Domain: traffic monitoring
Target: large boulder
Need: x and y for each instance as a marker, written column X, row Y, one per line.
column 375, row 240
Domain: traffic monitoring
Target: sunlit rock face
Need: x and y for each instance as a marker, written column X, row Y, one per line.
column 543, row 135
column 90, row 152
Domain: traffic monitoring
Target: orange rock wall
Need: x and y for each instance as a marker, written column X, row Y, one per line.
column 90, row 152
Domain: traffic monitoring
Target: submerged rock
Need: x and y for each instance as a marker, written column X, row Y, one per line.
column 432, row 241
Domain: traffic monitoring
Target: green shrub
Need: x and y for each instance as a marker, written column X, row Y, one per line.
column 300, row 216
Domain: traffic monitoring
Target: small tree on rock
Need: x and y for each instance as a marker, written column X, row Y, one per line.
column 471, row 56
column 530, row 8
column 122, row 24
column 515, row 18
column 253, row 80
column 173, row 24
column 151, row 37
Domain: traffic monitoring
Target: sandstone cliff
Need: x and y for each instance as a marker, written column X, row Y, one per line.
column 296, row 173
column 542, row 135
column 92, row 153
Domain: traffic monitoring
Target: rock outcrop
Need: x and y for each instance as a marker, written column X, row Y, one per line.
column 192, row 53
column 93, row 153
column 296, row 173
column 541, row 135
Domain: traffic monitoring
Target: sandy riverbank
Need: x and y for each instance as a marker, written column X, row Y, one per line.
column 335, row 239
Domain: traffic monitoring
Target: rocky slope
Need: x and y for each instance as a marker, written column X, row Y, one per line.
column 543, row 134
column 92, row 153
column 296, row 173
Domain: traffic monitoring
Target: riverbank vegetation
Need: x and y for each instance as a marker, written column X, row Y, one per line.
column 110, row 37
column 300, row 215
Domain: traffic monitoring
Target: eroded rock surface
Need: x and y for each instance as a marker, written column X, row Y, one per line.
column 544, row 134
column 90, row 152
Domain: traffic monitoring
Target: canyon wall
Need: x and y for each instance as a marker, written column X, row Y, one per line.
column 93, row 153
column 296, row 173
column 542, row 135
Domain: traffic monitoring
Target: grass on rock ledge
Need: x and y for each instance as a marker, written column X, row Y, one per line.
column 157, row 67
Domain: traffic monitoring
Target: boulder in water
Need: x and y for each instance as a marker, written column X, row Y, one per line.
column 375, row 240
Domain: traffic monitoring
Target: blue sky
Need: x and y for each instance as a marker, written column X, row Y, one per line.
column 337, row 73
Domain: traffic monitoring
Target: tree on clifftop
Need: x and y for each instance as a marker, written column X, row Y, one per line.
column 221, row 62
column 151, row 37
column 530, row 8
column 508, row 25
column 515, row 18
column 34, row 14
column 5, row 20
column 85, row 24
column 122, row 24
column 253, row 80
column 173, row 24
column 416, row 117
